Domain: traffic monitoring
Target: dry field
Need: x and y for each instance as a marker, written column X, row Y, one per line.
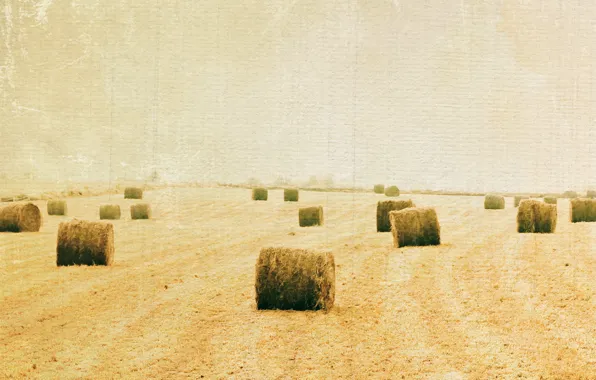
column 179, row 300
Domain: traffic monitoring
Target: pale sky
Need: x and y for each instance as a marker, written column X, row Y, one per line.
column 452, row 95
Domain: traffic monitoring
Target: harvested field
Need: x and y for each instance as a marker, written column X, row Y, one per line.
column 179, row 299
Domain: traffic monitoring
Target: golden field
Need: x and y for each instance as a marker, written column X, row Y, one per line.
column 179, row 300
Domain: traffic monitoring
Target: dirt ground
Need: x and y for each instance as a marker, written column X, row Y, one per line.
column 179, row 300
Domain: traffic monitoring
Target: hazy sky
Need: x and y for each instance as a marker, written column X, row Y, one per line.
column 461, row 95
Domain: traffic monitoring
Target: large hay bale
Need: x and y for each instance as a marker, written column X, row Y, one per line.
column 536, row 217
column 259, row 194
column 392, row 191
column 583, row 210
column 23, row 217
column 379, row 189
column 550, row 200
column 415, row 227
column 133, row 193
column 109, row 212
column 295, row 279
column 291, row 195
column 494, row 202
column 570, row 194
column 56, row 207
column 140, row 211
column 591, row 194
column 519, row 198
column 310, row 216
column 85, row 243
column 383, row 210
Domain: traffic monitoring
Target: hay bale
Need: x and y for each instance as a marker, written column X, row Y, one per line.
column 525, row 216
column 294, row 279
column 591, row 194
column 56, row 207
column 133, row 193
column 140, row 211
column 545, row 218
column 23, row 217
column 550, row 200
column 109, row 212
column 310, row 216
column 383, row 210
column 379, row 189
column 536, row 217
column 415, row 227
column 570, row 194
column 291, row 195
column 519, row 198
column 85, row 243
column 494, row 202
column 392, row 191
column 259, row 194
column 583, row 210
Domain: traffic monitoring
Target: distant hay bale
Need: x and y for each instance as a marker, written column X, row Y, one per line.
column 415, row 227
column 519, row 198
column 310, row 216
column 259, row 194
column 294, row 279
column 550, row 200
column 133, row 193
column 591, row 194
column 392, row 191
column 570, row 194
column 109, row 212
column 536, row 217
column 291, row 195
column 494, row 202
column 56, row 207
column 23, row 217
column 85, row 243
column 140, row 211
column 383, row 210
column 583, row 210
column 379, row 189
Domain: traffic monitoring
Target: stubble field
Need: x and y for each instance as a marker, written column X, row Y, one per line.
column 179, row 300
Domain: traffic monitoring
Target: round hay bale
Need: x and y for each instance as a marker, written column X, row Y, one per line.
column 494, row 202
column 109, row 212
column 392, row 191
column 56, row 207
column 140, row 211
column 415, row 227
column 582, row 210
column 85, row 243
column 536, row 217
column 379, row 189
column 133, row 193
column 23, row 217
column 310, row 216
column 546, row 218
column 383, row 209
column 519, row 198
column 291, row 195
column 259, row 194
column 550, row 200
column 591, row 194
column 570, row 194
column 294, row 279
